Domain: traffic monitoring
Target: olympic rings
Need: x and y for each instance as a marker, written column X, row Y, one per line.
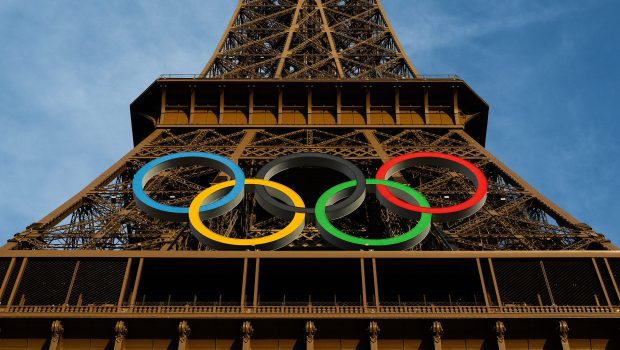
column 352, row 200
column 271, row 242
column 283, row 202
column 179, row 214
column 442, row 214
column 345, row 241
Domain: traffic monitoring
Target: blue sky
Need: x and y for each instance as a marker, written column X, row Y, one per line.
column 549, row 71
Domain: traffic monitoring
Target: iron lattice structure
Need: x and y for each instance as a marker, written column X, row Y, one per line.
column 351, row 92
column 104, row 216
column 309, row 39
column 292, row 76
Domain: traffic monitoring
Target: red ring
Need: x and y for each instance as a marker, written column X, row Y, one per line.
column 454, row 212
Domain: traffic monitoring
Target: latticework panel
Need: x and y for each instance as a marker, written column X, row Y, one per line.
column 513, row 218
column 308, row 39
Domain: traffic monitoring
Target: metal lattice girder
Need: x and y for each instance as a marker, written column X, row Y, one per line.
column 104, row 215
column 308, row 39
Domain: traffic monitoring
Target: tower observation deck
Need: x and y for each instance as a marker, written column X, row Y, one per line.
column 308, row 94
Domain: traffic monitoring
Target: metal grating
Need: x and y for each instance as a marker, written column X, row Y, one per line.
column 615, row 269
column 98, row 282
column 521, row 282
column 45, row 282
column 606, row 276
column 574, row 282
column 429, row 282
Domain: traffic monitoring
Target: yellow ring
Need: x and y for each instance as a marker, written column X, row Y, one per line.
column 273, row 241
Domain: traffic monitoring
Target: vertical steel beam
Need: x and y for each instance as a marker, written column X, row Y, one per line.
column 162, row 112
column 611, row 276
column 427, row 109
column 192, row 105
column 136, row 284
column 256, row 279
column 544, row 272
column 280, row 105
column 7, row 277
column 482, row 283
column 600, row 280
column 376, row 281
column 18, row 280
column 456, row 112
column 121, row 297
column 244, row 279
column 251, row 104
column 497, row 295
column 309, row 106
column 338, row 105
column 222, row 104
column 364, row 297
column 72, row 283
column 397, row 105
column 367, row 105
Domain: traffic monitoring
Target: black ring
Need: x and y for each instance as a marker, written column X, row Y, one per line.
column 345, row 207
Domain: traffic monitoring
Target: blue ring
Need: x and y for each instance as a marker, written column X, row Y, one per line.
column 181, row 214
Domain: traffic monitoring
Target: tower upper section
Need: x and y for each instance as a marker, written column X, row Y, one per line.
column 308, row 39
column 306, row 64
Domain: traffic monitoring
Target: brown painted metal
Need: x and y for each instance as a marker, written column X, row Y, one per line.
column 323, row 76
column 497, row 295
column 125, row 283
column 544, row 273
column 484, row 287
column 611, row 277
column 363, row 279
column 602, row 283
column 75, row 272
column 7, row 276
column 20, row 274
column 375, row 281
column 244, row 279
column 136, row 285
column 295, row 49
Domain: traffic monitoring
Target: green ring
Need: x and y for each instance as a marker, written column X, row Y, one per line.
column 347, row 241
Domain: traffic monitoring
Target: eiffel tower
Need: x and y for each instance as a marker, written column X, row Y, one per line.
column 291, row 77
